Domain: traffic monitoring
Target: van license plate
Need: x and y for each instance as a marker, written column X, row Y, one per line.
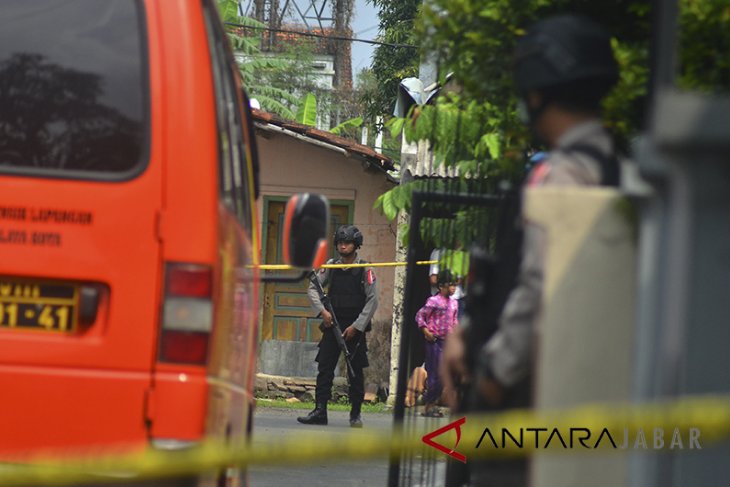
column 32, row 305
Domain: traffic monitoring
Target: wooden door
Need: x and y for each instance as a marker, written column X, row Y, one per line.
column 287, row 311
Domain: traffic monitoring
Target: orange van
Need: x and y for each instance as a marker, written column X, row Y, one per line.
column 128, row 300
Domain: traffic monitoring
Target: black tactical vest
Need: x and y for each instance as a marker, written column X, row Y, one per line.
column 346, row 294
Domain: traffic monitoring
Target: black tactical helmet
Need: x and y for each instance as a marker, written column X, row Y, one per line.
column 563, row 50
column 348, row 233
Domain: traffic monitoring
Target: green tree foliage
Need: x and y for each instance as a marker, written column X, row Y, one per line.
column 366, row 84
column 391, row 64
column 342, row 128
column 475, row 39
column 307, row 115
column 276, row 80
column 704, row 45
column 307, row 110
column 475, row 126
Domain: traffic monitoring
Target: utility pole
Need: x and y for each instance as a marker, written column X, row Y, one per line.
column 343, row 53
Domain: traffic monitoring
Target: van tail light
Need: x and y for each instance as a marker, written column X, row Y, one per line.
column 187, row 314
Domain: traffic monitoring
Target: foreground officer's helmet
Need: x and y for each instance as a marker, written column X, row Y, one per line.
column 348, row 233
column 561, row 50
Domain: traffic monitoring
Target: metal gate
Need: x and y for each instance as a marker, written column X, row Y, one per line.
column 487, row 214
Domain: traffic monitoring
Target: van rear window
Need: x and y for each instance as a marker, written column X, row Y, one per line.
column 73, row 88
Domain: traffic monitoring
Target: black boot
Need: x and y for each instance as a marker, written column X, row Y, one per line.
column 355, row 419
column 317, row 416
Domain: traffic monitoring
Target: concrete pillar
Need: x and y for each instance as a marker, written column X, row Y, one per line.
column 401, row 253
column 409, row 155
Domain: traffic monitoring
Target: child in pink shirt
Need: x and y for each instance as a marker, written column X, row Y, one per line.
column 436, row 320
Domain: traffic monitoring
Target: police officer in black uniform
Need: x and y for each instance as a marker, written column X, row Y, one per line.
column 354, row 298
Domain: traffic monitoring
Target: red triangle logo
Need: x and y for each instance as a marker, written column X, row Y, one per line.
column 428, row 439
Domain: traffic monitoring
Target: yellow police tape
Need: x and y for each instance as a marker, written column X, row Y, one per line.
column 708, row 415
column 285, row 267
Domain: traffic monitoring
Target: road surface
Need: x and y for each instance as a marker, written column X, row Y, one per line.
column 276, row 424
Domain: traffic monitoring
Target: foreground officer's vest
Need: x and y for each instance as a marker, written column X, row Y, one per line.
column 346, row 294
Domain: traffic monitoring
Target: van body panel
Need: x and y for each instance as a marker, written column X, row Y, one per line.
column 232, row 365
column 191, row 198
column 177, row 405
column 116, row 249
column 57, row 410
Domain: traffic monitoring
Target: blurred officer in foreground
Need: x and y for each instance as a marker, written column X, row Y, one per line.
column 563, row 68
column 354, row 298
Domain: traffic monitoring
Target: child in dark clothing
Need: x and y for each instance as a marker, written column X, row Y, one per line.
column 436, row 320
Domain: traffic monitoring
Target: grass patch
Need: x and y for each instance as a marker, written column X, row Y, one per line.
column 280, row 403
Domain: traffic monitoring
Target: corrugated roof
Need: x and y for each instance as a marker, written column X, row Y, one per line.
column 351, row 147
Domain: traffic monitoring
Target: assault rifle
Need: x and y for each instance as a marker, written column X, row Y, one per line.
column 325, row 300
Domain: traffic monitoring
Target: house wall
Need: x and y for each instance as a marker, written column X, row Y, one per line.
column 290, row 165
